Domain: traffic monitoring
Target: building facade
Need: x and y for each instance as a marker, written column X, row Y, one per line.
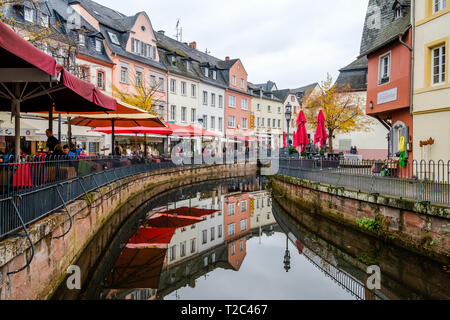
column 388, row 50
column 431, row 100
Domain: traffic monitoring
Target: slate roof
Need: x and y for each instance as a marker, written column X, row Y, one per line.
column 282, row 94
column 390, row 28
column 267, row 86
column 169, row 47
column 253, row 88
column 354, row 75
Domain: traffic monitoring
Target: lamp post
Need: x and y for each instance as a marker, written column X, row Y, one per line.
column 287, row 257
column 288, row 115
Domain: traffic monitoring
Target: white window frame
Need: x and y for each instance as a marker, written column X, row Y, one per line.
column 102, row 79
column 183, row 114
column 28, row 14
column 213, row 234
column 45, row 22
column 233, row 80
column 81, row 40
column 182, row 249
column 231, row 122
column 231, row 229
column 441, row 64
column 220, row 124
column 193, row 245
column 231, row 209
column 242, row 83
column 244, row 104
column 126, row 75
column 193, row 91
column 183, row 88
column 244, row 123
column 139, row 76
column 173, row 86
column 220, row 101
column 439, row 5
column 98, row 45
column 381, row 68
column 213, row 124
column 213, row 99
column 204, row 236
column 219, row 231
column 205, row 98
column 173, row 113
column 232, row 101
column 193, row 115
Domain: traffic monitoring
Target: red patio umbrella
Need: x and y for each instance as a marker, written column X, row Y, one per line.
column 295, row 142
column 321, row 133
column 302, row 135
column 134, row 130
column 284, row 140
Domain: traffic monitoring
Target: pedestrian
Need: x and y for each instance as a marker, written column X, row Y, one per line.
column 78, row 151
column 51, row 141
column 68, row 153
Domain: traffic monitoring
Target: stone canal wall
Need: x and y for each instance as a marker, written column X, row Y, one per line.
column 423, row 228
column 112, row 204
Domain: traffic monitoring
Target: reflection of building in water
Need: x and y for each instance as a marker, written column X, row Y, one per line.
column 134, row 294
column 261, row 209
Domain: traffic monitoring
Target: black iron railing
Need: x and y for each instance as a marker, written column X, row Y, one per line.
column 419, row 181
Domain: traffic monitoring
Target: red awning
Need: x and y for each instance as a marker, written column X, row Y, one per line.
column 137, row 269
column 191, row 212
column 171, row 222
column 16, row 52
column 152, row 236
column 135, row 130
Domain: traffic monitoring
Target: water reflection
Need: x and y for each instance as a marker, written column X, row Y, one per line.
column 233, row 241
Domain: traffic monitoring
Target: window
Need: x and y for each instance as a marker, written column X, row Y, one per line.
column 85, row 73
column 384, row 72
column 161, row 84
column 220, row 124
column 269, row 109
column 213, row 257
column 214, row 74
column 114, row 38
column 231, row 229
column 193, row 116
column 243, row 225
column 183, row 88
column 242, row 83
column 183, row 114
column 244, row 206
column 124, row 74
column 232, row 102
column 173, row 253
column 439, row 5
column 233, row 249
column 262, row 122
column 258, row 107
column 204, row 236
column 135, row 46
column 244, row 104
column 231, row 122
column 205, row 122
column 219, row 231
column 188, row 65
column 173, row 85
column 81, row 40
column 44, row 20
column 206, row 72
column 220, row 101
column 153, row 81
column 98, row 45
column 192, row 245
column 279, row 123
column 213, row 122
column 213, row 234
column 213, row 99
column 205, row 261
column 101, row 80
column 182, row 249
column 29, row 14
column 173, row 110
column 258, row 121
column 193, row 91
column 233, row 80
column 398, row 12
column 205, row 98
column 279, row 109
column 438, row 65
column 244, row 123
column 274, row 123
column 231, row 209
column 139, row 78
column 241, row 245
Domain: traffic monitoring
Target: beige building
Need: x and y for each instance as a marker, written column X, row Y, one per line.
column 431, row 99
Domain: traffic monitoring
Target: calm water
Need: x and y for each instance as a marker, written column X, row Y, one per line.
column 239, row 244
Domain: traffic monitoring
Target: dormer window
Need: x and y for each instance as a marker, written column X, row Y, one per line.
column 44, row 20
column 173, row 60
column 214, row 74
column 114, row 38
column 398, row 12
column 188, row 65
column 206, row 72
column 98, row 45
column 81, row 40
column 28, row 14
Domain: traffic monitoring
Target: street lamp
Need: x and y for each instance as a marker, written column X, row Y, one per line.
column 288, row 115
column 287, row 257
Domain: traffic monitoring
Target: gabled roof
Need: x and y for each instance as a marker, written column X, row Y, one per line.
column 267, row 86
column 389, row 28
column 227, row 64
column 104, row 15
column 283, row 94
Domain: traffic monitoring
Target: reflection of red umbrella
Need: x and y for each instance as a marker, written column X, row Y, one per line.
column 302, row 135
column 171, row 222
column 321, row 133
column 191, row 212
column 148, row 236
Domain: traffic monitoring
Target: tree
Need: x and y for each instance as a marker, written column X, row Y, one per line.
column 342, row 109
column 139, row 93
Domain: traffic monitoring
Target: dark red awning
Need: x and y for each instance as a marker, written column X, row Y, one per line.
column 192, row 212
column 171, row 222
column 152, row 236
column 19, row 53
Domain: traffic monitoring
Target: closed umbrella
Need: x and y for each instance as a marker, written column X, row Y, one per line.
column 302, row 135
column 284, row 140
column 321, row 133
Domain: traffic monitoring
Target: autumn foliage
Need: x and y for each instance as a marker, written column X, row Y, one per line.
column 342, row 108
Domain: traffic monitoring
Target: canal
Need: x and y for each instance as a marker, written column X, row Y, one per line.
column 230, row 240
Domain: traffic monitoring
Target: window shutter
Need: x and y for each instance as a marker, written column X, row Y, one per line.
column 405, row 134
column 391, row 143
column 132, row 45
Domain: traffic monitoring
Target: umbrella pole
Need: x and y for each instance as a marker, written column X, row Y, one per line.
column 59, row 128
column 50, row 118
column 112, row 139
column 145, row 145
column 16, row 103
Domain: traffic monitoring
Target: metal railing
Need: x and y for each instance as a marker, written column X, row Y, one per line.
column 419, row 181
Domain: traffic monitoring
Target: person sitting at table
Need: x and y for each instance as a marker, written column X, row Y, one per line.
column 78, row 151
column 58, row 150
column 68, row 153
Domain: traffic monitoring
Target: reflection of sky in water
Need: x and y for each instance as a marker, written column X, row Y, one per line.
column 262, row 277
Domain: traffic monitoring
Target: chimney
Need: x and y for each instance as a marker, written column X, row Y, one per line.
column 193, row 45
column 227, row 58
column 162, row 32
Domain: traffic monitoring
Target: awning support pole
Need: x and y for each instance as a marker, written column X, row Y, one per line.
column 17, row 122
column 112, row 139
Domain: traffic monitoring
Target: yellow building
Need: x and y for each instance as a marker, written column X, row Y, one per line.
column 431, row 96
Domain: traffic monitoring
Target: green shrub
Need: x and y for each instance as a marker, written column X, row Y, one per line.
column 369, row 224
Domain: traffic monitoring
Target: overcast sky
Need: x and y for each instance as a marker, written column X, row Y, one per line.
column 291, row 42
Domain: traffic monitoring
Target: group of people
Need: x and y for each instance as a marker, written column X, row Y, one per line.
column 55, row 148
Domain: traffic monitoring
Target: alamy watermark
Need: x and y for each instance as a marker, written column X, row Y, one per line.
column 374, row 280
column 74, row 280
